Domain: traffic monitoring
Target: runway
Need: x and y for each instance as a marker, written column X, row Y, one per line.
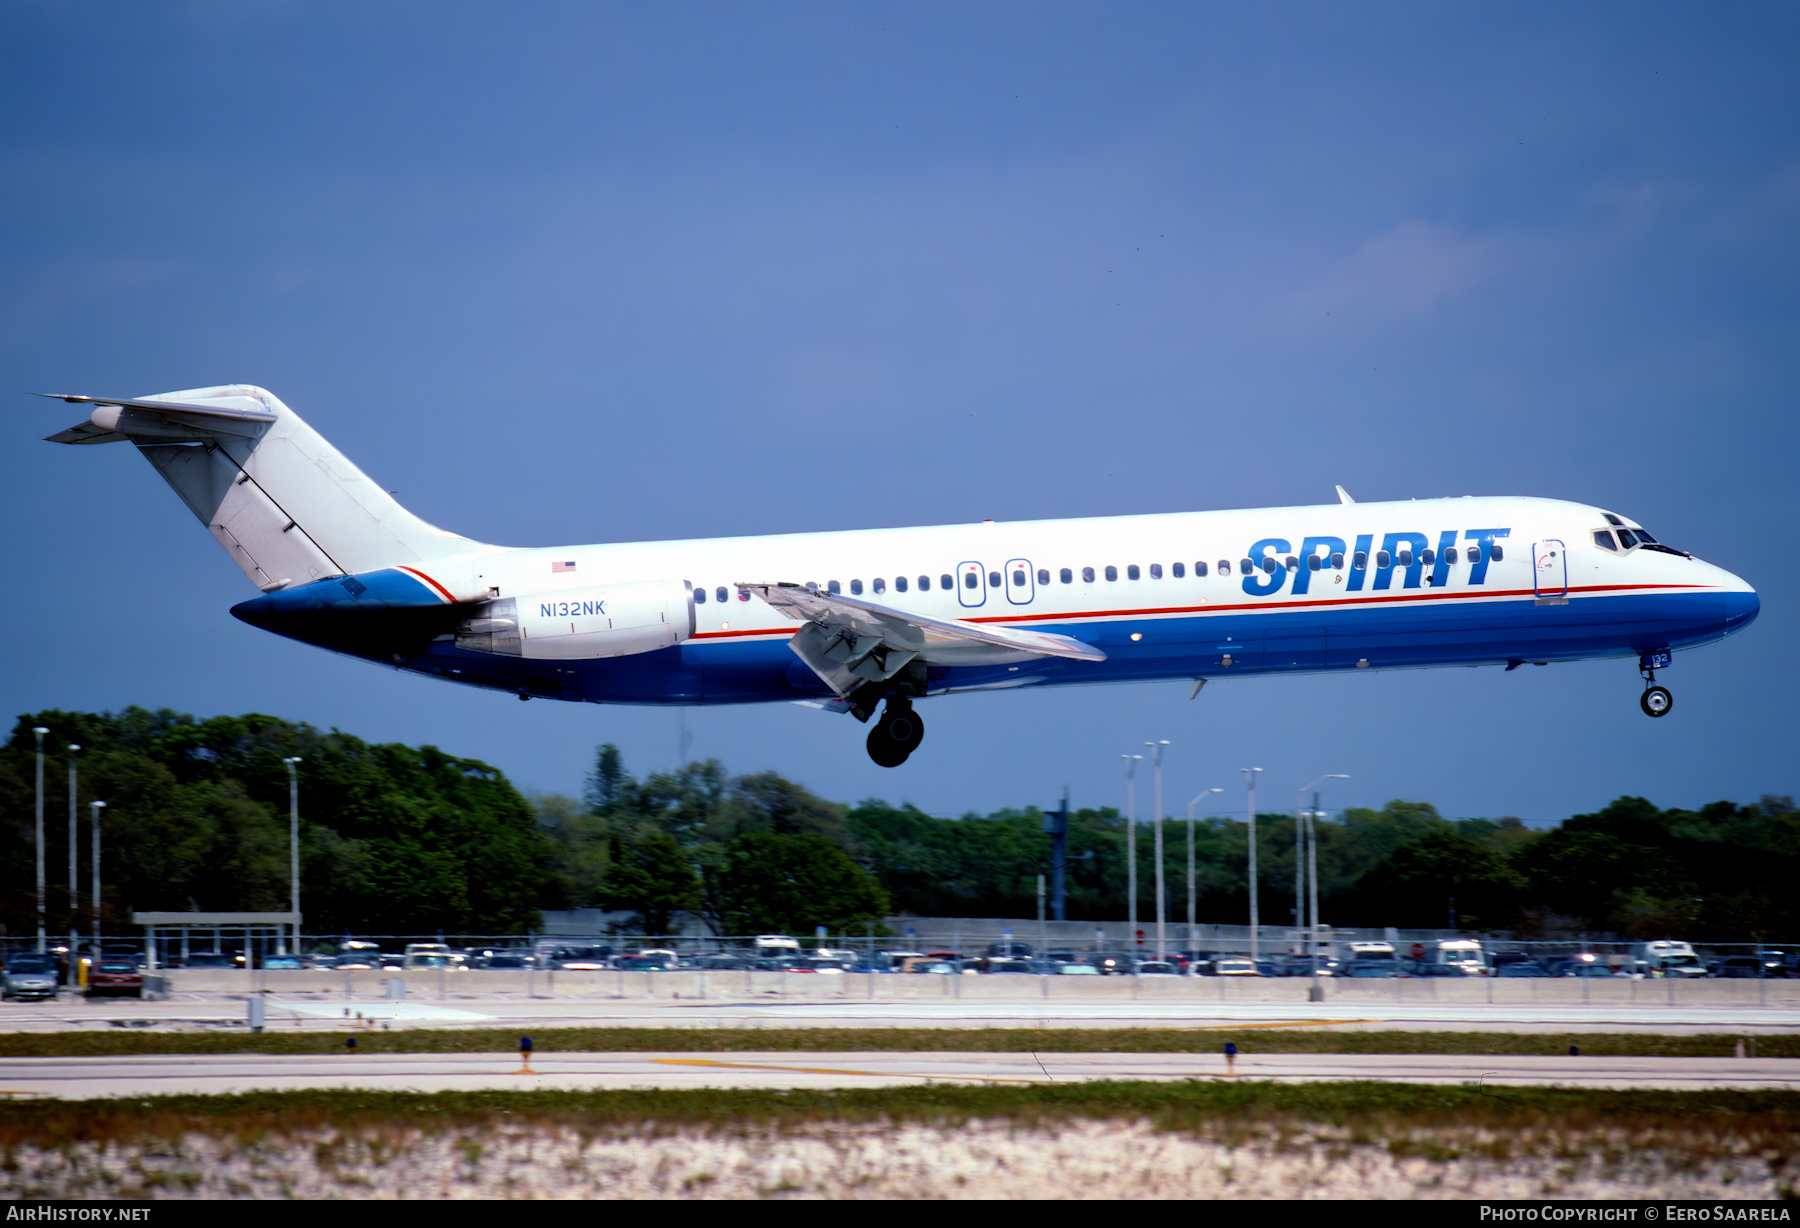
column 82, row 1078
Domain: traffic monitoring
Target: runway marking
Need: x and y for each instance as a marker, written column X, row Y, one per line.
column 873, row 1074
column 1287, row 1023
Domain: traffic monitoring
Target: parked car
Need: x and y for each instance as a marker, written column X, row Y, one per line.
column 1234, row 965
column 648, row 963
column 1579, row 968
column 1742, row 967
column 29, row 976
column 506, row 960
column 1441, row 971
column 118, row 977
column 1010, row 965
column 935, row 967
column 1363, row 969
column 1074, row 969
column 1526, row 969
column 277, row 963
column 1157, row 967
column 1009, row 950
column 209, row 959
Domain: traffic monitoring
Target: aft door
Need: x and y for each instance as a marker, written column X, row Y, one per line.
column 1020, row 585
column 971, row 585
column 1550, row 571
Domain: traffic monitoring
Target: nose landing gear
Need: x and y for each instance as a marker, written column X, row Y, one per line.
column 896, row 734
column 1656, row 700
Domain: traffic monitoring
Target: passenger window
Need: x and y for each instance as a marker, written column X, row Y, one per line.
column 1087, row 575
column 1293, row 563
column 1314, row 562
column 880, row 586
column 944, row 582
column 1246, row 567
column 925, row 583
column 1383, row 559
column 1043, row 575
column 1450, row 554
column 1066, row 576
column 1405, row 558
column 1337, row 562
column 1361, row 560
column 743, row 594
column 856, row 588
column 971, row 580
column 1474, row 554
column 1604, row 540
column 899, row 584
column 1131, row 571
column 700, row 596
column 1199, row 569
column 993, row 579
column 832, row 585
column 1269, row 565
column 1224, row 567
column 1156, row 571
column 1177, row 570
column 1112, row 573
column 1496, row 552
column 1018, row 577
column 1428, row 556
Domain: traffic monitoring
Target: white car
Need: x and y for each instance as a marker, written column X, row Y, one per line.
column 29, row 976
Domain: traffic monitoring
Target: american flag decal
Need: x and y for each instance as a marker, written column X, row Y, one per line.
column 555, row 567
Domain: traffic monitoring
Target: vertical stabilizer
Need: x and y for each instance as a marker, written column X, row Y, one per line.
column 285, row 504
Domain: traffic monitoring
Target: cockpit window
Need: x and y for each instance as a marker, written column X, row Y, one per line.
column 1612, row 519
column 1626, row 539
column 1644, row 537
column 1604, row 540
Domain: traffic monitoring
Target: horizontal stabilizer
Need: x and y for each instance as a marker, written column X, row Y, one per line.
column 240, row 409
column 87, row 432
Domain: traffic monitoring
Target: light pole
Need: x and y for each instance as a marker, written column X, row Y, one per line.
column 1192, row 940
column 74, row 848
column 1156, row 750
column 1314, row 994
column 294, row 846
column 40, row 732
column 94, row 809
column 1131, row 762
column 1250, row 809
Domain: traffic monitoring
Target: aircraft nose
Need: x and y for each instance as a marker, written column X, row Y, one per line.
column 1741, row 608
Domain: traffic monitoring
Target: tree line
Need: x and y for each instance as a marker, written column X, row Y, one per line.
column 400, row 839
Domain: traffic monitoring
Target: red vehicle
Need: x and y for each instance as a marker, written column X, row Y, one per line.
column 115, row 977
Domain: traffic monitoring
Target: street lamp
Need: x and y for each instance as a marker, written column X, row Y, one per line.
column 294, row 847
column 1156, row 750
column 1314, row 994
column 74, row 848
column 1250, row 808
column 1192, row 940
column 40, row 731
column 1131, row 762
column 94, row 809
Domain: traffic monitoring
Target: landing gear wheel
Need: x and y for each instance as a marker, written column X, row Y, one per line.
column 896, row 735
column 1657, row 701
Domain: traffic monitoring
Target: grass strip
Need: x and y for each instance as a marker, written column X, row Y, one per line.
column 1770, row 1117
column 120, row 1043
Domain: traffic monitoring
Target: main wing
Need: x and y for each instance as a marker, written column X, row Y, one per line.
column 850, row 643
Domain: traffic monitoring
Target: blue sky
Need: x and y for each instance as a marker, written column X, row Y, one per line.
column 568, row 273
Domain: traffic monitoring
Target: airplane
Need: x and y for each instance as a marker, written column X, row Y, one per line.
column 879, row 618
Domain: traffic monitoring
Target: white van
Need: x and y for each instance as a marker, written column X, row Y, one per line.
column 1464, row 954
column 1664, row 958
column 430, row 955
column 1369, row 952
column 777, row 946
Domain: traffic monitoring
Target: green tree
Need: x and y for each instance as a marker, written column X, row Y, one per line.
column 1419, row 884
column 607, row 782
column 772, row 883
column 650, row 876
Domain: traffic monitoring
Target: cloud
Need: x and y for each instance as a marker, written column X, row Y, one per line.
column 1408, row 271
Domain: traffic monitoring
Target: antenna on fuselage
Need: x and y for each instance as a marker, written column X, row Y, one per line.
column 1344, row 496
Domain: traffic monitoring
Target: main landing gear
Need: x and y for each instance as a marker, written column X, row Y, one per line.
column 1656, row 700
column 896, row 734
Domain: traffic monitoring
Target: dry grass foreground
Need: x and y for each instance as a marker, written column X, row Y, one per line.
column 1096, row 1140
column 119, row 1042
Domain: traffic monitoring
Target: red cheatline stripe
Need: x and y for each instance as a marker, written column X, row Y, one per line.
column 1391, row 599
column 1081, row 616
column 441, row 590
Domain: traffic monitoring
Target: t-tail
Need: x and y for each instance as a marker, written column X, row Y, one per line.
column 288, row 507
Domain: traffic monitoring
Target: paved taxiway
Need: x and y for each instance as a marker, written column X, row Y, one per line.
column 79, row 1078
